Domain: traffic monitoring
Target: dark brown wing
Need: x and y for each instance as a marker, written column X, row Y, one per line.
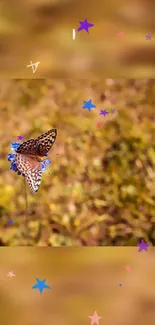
column 28, row 147
column 45, row 141
column 39, row 146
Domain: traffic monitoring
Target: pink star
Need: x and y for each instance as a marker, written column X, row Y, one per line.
column 11, row 274
column 128, row 268
column 95, row 318
column 121, row 34
column 148, row 36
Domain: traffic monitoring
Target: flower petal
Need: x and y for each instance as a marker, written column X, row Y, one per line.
column 47, row 162
column 13, row 166
column 44, row 163
column 43, row 167
column 14, row 145
column 11, row 157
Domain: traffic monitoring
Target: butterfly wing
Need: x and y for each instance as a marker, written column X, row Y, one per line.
column 27, row 161
column 31, row 168
column 39, row 146
column 28, row 147
column 33, row 178
column 45, row 141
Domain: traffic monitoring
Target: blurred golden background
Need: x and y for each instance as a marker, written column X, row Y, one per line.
column 41, row 31
column 82, row 281
column 100, row 187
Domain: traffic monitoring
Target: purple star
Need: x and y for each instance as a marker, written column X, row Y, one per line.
column 104, row 112
column 20, row 137
column 10, row 222
column 84, row 25
column 112, row 111
column 143, row 245
column 148, row 37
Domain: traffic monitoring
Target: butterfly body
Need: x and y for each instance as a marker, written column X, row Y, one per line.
column 29, row 157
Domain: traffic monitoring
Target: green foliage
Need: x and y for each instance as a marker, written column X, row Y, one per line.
column 91, row 194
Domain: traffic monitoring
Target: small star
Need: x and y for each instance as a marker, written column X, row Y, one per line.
column 41, row 285
column 20, row 137
column 120, row 284
column 84, row 25
column 95, row 318
column 11, row 274
column 121, row 34
column 99, row 125
column 128, row 268
column 88, row 104
column 140, row 208
column 143, row 245
column 104, row 112
column 113, row 111
column 148, row 37
column 10, row 222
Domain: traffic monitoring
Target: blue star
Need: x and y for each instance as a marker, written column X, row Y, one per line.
column 84, row 25
column 41, row 285
column 88, row 105
column 104, row 112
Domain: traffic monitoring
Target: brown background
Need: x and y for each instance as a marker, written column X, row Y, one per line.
column 82, row 280
column 35, row 30
column 87, row 279
column 92, row 190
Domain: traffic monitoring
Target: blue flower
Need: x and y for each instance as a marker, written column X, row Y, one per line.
column 11, row 157
column 44, row 163
column 14, row 145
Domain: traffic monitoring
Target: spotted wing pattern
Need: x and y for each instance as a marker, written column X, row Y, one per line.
column 33, row 178
column 39, row 146
column 31, row 168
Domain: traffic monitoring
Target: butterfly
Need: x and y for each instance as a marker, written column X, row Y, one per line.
column 28, row 157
